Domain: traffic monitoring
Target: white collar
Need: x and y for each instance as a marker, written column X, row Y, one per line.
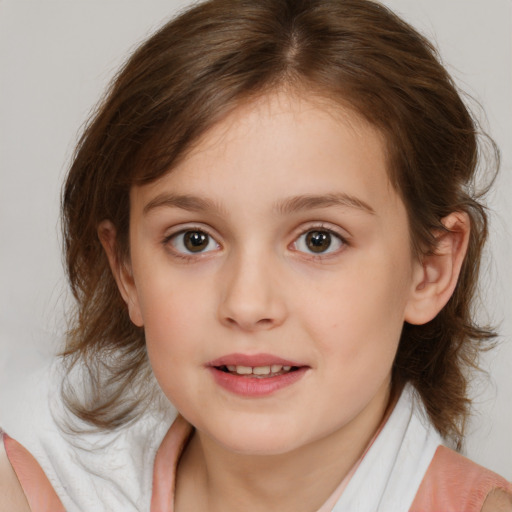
column 391, row 472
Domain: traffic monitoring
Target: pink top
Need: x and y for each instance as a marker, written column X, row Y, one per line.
column 39, row 493
column 454, row 484
column 451, row 484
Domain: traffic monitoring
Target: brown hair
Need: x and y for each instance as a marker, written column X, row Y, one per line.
column 203, row 64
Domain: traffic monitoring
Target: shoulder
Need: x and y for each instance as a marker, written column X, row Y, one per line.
column 23, row 481
column 13, row 498
column 453, row 482
column 498, row 501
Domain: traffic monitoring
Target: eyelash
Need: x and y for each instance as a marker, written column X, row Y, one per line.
column 322, row 228
column 191, row 256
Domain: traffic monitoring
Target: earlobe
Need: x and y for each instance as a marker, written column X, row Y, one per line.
column 121, row 271
column 436, row 275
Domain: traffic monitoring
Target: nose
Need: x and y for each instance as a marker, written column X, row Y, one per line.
column 251, row 298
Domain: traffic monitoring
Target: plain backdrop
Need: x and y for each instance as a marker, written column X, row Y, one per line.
column 56, row 57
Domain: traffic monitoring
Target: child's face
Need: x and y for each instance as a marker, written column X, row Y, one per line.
column 277, row 242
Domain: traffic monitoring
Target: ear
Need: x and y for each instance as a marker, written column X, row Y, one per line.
column 436, row 274
column 121, row 271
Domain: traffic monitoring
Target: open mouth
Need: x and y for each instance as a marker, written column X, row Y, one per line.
column 256, row 375
column 261, row 372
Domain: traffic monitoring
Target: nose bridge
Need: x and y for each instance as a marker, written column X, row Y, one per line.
column 251, row 298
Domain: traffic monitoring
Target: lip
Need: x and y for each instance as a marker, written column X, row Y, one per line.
column 252, row 360
column 252, row 386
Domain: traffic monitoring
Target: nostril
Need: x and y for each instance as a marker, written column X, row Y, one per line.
column 264, row 321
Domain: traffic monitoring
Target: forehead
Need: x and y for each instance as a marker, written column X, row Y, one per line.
column 283, row 144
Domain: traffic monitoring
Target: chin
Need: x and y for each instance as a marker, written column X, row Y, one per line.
column 258, row 438
column 259, row 446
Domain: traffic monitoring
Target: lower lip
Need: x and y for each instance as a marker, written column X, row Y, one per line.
column 256, row 386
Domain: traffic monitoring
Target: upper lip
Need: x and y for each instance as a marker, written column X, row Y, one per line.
column 252, row 360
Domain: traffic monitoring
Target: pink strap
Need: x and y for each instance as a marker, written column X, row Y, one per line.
column 39, row 492
column 166, row 462
column 453, row 483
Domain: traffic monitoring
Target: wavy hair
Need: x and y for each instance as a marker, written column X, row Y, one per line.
column 190, row 74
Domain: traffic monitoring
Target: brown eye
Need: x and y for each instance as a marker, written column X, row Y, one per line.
column 193, row 241
column 319, row 241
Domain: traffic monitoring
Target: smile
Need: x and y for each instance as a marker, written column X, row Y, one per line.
column 255, row 375
column 258, row 371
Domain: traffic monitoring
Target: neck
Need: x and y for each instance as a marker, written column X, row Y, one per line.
column 212, row 478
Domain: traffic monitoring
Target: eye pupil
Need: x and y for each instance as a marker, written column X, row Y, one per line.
column 318, row 241
column 195, row 241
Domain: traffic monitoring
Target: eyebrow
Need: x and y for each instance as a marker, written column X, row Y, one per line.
column 311, row 202
column 185, row 202
column 289, row 205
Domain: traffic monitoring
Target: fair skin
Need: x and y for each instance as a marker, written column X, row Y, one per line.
column 13, row 499
column 325, row 280
column 276, row 177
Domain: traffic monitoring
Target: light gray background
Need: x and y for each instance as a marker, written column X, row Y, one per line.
column 56, row 57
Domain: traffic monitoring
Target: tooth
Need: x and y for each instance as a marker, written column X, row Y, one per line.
column 243, row 370
column 231, row 368
column 286, row 368
column 261, row 370
column 275, row 368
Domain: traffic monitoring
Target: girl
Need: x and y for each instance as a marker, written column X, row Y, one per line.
column 271, row 218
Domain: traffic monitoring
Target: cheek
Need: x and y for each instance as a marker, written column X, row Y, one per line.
column 168, row 299
column 371, row 298
column 358, row 325
column 172, row 351
column 172, row 323
column 167, row 311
